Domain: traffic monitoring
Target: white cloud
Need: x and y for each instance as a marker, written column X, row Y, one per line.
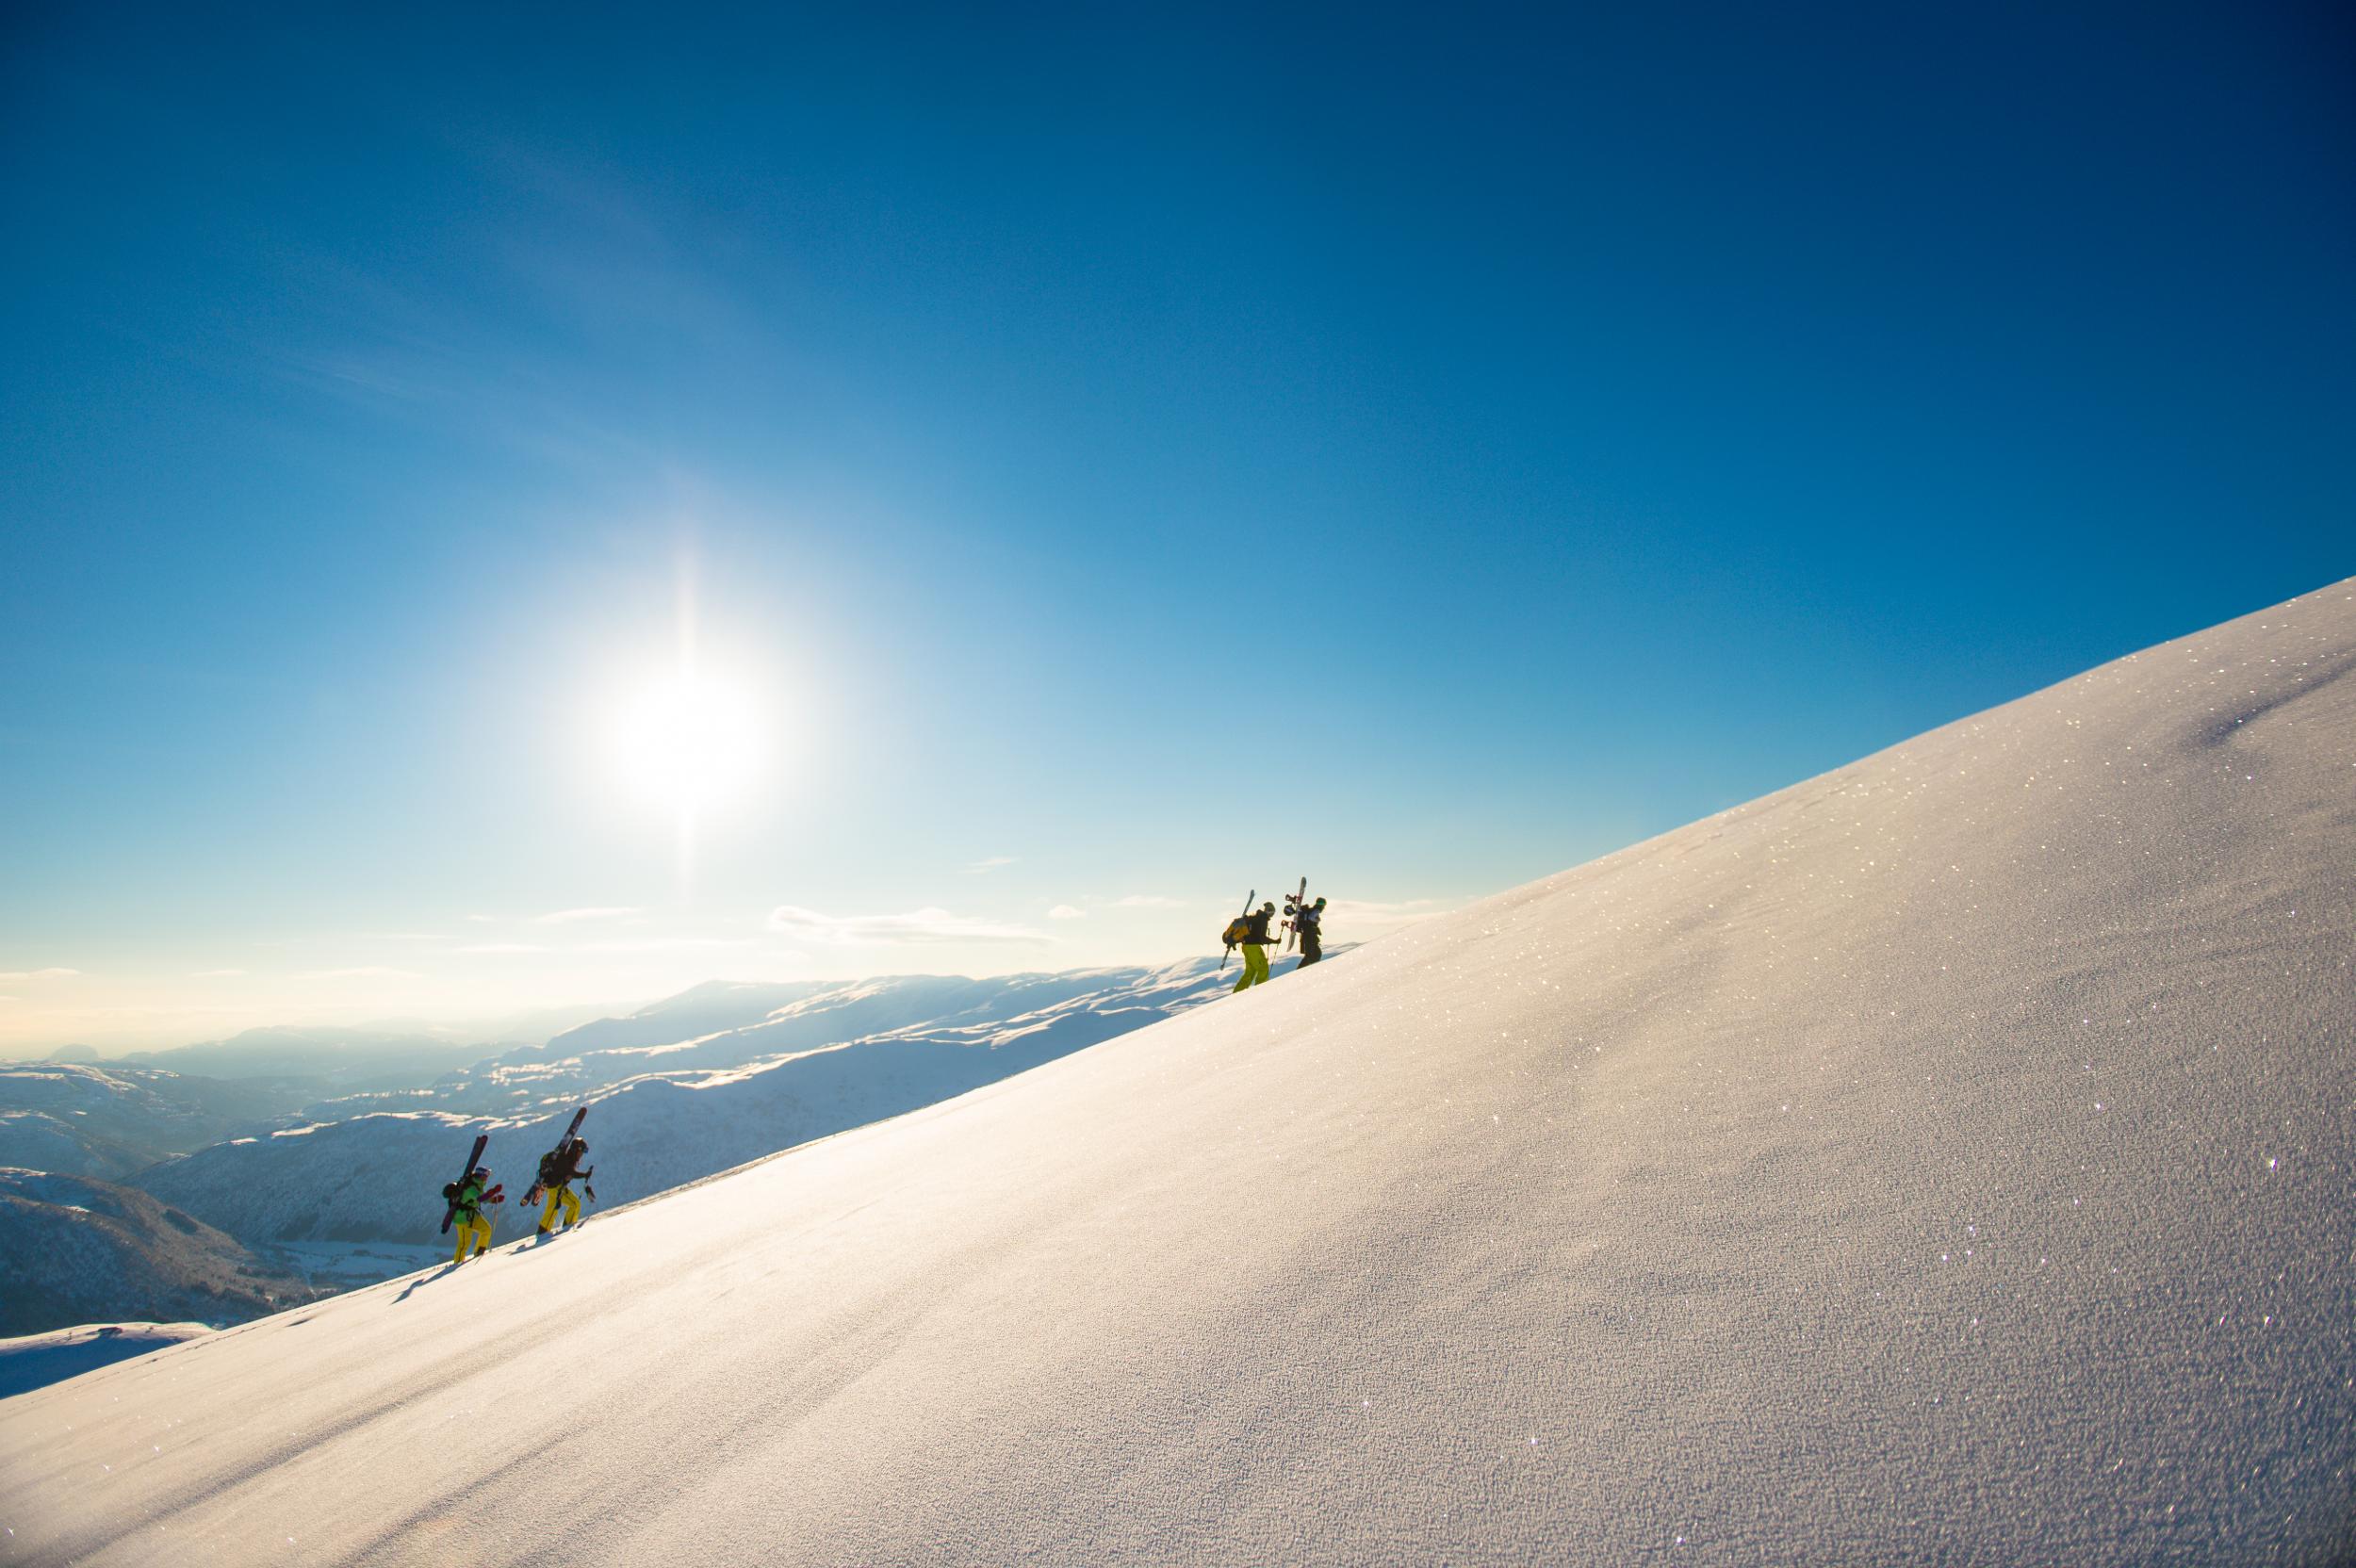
column 663, row 944
column 990, row 864
column 503, row 947
column 1066, row 911
column 566, row 917
column 927, row 926
column 215, row 974
column 1149, row 901
column 364, row 971
column 16, row 975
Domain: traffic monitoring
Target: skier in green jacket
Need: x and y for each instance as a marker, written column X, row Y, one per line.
column 470, row 1198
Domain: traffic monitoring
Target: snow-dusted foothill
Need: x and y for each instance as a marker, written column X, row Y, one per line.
column 74, row 1249
column 1944, row 1160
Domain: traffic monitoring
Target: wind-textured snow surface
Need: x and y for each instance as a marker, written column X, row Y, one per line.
column 1942, row 1161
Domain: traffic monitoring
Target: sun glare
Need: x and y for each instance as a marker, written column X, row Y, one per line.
column 688, row 736
column 686, row 742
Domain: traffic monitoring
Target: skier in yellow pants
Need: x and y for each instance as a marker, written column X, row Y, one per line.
column 475, row 1193
column 478, row 1231
column 559, row 1168
column 547, row 1213
column 1254, row 938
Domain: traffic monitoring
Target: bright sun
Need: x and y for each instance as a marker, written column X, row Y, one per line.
column 686, row 741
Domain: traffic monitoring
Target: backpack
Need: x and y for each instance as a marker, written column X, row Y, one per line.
column 454, row 1194
column 550, row 1165
column 1238, row 930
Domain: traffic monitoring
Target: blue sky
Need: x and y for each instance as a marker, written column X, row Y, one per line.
column 1115, row 457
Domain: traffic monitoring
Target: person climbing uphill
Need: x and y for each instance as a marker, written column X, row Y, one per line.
column 1308, row 923
column 1250, row 932
column 559, row 1168
column 468, row 1197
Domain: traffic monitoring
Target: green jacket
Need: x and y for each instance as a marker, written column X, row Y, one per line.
column 469, row 1203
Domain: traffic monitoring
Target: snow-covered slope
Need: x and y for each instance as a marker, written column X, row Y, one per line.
column 1945, row 1160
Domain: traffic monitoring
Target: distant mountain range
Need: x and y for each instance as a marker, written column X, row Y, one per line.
column 672, row 1097
column 85, row 1120
column 341, row 1060
column 329, row 1173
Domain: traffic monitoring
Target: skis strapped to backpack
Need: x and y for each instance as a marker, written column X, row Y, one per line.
column 541, row 1186
column 472, row 1160
column 1228, row 935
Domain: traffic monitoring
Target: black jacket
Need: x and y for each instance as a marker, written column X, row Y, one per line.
column 1255, row 926
column 562, row 1164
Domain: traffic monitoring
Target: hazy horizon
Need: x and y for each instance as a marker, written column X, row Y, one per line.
column 457, row 1028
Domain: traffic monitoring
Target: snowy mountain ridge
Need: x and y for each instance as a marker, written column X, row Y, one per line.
column 675, row 1111
column 112, row 1120
column 1943, row 1160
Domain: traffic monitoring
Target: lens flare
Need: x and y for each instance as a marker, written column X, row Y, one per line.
column 686, row 742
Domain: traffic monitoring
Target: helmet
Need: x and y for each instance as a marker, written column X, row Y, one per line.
column 1320, row 904
column 1266, row 907
column 581, row 1146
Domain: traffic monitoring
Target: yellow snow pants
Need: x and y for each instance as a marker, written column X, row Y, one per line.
column 572, row 1210
column 1254, row 965
column 479, row 1230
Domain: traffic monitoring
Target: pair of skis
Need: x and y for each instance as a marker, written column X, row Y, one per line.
column 1231, row 946
column 1292, row 913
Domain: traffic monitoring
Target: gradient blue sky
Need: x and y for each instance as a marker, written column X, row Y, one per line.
column 1132, row 454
